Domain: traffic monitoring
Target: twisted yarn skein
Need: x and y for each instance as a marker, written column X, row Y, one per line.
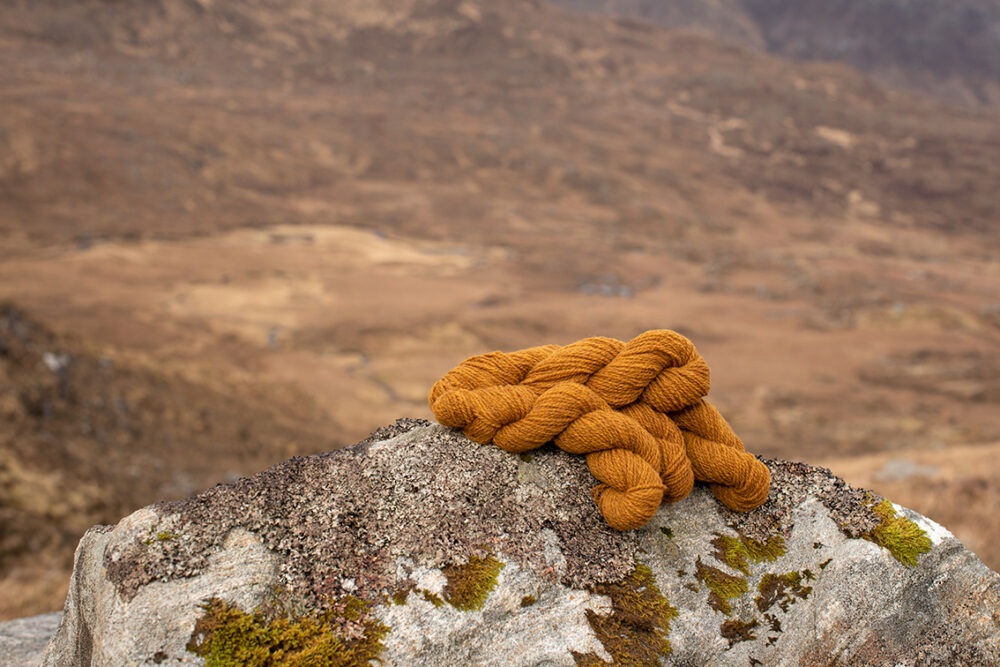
column 636, row 410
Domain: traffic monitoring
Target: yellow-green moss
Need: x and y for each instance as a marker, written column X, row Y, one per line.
column 162, row 536
column 469, row 585
column 666, row 531
column 528, row 600
column 782, row 589
column 226, row 636
column 636, row 631
column 904, row 539
column 724, row 587
column 739, row 552
column 525, row 457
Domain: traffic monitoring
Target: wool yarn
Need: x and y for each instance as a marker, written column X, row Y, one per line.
column 636, row 410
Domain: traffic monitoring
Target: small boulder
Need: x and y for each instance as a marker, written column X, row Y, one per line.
column 418, row 546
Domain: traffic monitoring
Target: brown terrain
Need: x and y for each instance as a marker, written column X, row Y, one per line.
column 234, row 232
column 949, row 48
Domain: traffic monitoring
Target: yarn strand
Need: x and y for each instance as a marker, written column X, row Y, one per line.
column 636, row 410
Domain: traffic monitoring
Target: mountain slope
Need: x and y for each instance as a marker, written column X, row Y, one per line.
column 948, row 48
column 86, row 438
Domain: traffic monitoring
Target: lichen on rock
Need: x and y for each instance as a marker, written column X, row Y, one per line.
column 329, row 517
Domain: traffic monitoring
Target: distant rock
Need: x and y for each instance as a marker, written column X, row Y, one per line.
column 22, row 641
column 420, row 547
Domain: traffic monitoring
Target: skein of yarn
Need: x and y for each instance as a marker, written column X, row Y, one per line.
column 636, row 410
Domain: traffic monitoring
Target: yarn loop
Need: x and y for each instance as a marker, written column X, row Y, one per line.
column 636, row 410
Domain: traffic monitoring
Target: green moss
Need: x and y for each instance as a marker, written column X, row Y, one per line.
column 525, row 457
column 739, row 552
column 666, row 531
column 904, row 539
column 400, row 595
column 162, row 536
column 724, row 587
column 528, row 600
column 782, row 589
column 635, row 632
column 469, row 585
column 226, row 636
column 432, row 598
column 738, row 631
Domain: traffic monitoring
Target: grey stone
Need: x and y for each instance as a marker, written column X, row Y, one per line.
column 23, row 640
column 392, row 517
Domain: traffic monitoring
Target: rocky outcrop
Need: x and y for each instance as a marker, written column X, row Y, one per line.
column 418, row 546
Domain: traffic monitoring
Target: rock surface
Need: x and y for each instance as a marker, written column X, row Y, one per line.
column 424, row 548
column 23, row 640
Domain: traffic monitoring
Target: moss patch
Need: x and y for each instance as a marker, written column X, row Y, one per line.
column 724, row 587
column 528, row 600
column 400, row 594
column 635, row 632
column 344, row 636
column 162, row 536
column 738, row 631
column 904, row 539
column 469, row 585
column 432, row 598
column 739, row 552
column 782, row 589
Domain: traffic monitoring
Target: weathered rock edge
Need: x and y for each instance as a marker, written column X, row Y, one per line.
column 394, row 510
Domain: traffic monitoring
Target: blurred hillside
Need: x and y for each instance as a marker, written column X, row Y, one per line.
column 237, row 231
column 949, row 48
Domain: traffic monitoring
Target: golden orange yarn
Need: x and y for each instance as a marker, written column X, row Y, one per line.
column 636, row 410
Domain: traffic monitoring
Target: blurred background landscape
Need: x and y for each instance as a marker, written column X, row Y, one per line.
column 232, row 232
